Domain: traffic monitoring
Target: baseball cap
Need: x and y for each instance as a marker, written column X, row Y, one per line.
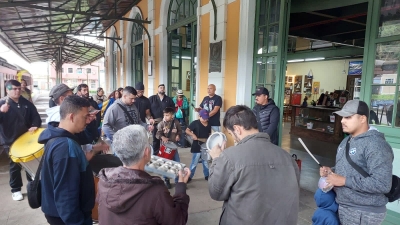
column 59, row 90
column 261, row 91
column 204, row 114
column 179, row 92
column 139, row 86
column 353, row 107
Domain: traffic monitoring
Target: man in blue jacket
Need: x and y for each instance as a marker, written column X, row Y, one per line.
column 267, row 114
column 66, row 177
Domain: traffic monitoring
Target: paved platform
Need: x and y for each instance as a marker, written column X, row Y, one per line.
column 202, row 209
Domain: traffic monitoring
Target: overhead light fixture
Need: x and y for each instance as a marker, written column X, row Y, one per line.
column 260, row 51
column 315, row 59
column 295, row 60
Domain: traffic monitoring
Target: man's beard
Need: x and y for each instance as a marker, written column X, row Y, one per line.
column 161, row 92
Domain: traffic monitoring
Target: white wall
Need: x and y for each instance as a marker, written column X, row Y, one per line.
column 329, row 73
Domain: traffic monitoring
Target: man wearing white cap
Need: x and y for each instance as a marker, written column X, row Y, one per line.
column 361, row 198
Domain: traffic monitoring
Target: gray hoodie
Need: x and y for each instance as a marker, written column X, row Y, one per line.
column 374, row 155
column 115, row 118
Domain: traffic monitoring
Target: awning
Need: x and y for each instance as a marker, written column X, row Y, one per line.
column 46, row 30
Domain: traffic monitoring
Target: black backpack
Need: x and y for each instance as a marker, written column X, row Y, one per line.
column 34, row 188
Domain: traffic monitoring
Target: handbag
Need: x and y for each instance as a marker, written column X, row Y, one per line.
column 34, row 188
column 179, row 114
column 394, row 193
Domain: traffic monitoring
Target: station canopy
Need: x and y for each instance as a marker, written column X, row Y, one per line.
column 40, row 30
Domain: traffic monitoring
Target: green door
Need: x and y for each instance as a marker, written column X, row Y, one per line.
column 137, row 64
column 175, row 64
column 270, row 48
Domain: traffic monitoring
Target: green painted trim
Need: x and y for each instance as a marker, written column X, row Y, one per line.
column 387, row 39
column 215, row 19
column 392, row 218
column 369, row 55
column 326, row 53
column 312, row 5
column 182, row 23
column 279, row 96
column 254, row 75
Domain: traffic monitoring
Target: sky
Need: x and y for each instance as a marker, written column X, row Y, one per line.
column 35, row 68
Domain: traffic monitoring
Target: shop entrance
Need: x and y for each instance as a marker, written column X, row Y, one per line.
column 182, row 49
column 303, row 54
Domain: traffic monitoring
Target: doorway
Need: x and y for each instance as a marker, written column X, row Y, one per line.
column 182, row 49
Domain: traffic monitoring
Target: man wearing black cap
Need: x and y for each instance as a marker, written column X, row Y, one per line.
column 361, row 198
column 267, row 114
column 158, row 103
column 143, row 103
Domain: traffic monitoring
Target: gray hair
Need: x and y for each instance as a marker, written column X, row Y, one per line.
column 129, row 144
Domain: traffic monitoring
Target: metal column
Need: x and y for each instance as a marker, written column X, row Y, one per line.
column 59, row 64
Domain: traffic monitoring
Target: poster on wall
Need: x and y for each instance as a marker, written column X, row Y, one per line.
column 316, row 86
column 215, row 57
column 355, row 67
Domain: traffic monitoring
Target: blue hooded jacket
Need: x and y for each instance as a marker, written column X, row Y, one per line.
column 66, row 178
column 326, row 213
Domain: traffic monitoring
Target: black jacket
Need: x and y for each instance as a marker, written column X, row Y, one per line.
column 157, row 106
column 17, row 121
column 268, row 119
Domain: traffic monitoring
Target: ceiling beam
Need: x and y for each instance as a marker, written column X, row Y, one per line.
column 76, row 22
column 63, row 33
column 21, row 4
column 334, row 17
column 298, row 6
column 327, row 21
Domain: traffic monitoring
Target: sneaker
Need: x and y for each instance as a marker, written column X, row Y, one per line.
column 206, row 178
column 168, row 184
column 17, row 196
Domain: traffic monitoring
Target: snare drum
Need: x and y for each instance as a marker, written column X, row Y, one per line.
column 28, row 152
column 168, row 150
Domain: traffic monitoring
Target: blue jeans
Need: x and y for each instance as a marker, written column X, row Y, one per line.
column 176, row 159
column 216, row 128
column 193, row 165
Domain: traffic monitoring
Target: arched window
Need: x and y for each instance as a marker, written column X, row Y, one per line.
column 137, row 52
column 180, row 10
column 114, row 63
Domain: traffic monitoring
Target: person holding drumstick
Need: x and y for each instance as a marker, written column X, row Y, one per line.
column 17, row 116
column 169, row 130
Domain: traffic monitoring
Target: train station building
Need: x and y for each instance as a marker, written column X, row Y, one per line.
column 293, row 48
column 348, row 49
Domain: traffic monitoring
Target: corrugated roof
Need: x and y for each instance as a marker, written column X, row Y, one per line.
column 39, row 30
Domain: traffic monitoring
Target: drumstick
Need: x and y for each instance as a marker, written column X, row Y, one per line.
column 202, row 139
column 305, row 147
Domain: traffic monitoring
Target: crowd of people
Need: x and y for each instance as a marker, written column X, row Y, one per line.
column 256, row 179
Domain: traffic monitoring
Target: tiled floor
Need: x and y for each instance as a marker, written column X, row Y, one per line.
column 202, row 209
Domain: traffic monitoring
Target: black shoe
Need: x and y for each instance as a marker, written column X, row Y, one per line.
column 190, row 179
column 167, row 183
column 206, row 178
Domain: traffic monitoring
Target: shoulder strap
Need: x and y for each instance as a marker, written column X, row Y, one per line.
column 126, row 112
column 355, row 166
column 37, row 179
column 170, row 128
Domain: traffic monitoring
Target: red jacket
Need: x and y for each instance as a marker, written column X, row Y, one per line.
column 128, row 196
